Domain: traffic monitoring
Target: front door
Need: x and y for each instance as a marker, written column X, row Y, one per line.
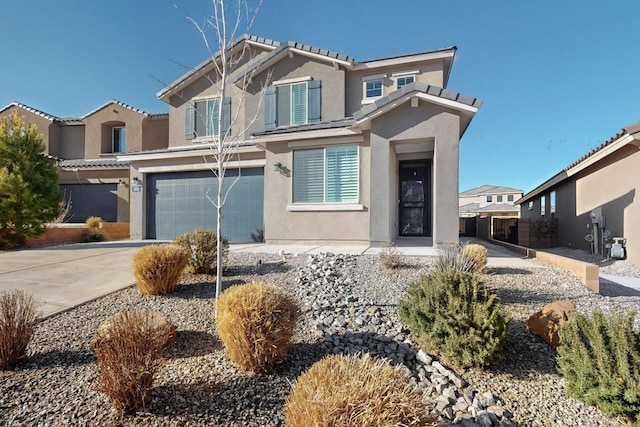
column 415, row 199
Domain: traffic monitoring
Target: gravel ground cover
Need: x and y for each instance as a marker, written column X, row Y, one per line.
column 198, row 386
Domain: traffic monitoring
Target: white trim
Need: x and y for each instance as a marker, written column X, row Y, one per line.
column 405, row 73
column 205, row 98
column 321, row 57
column 292, row 80
column 378, row 63
column 369, row 100
column 312, row 134
column 614, row 146
column 242, row 164
column 312, row 207
column 181, row 152
column 364, row 89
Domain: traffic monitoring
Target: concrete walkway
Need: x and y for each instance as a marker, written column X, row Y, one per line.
column 63, row 277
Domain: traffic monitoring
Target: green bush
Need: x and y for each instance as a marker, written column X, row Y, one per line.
column 256, row 322
column 600, row 357
column 201, row 245
column 18, row 316
column 94, row 236
column 157, row 268
column 455, row 315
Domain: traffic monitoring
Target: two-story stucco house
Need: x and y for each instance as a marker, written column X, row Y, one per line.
column 86, row 147
column 489, row 200
column 336, row 151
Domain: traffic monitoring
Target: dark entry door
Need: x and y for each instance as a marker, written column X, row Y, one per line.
column 415, row 199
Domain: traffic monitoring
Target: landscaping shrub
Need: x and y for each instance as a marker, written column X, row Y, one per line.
column 18, row 317
column 600, row 357
column 477, row 254
column 157, row 268
column 450, row 256
column 390, row 257
column 93, row 222
column 256, row 322
column 201, row 245
column 355, row 391
column 129, row 358
column 455, row 315
column 94, row 236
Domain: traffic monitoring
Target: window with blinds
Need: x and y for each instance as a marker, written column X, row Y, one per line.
column 326, row 175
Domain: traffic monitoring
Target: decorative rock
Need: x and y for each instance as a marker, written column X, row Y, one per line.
column 423, row 357
column 547, row 322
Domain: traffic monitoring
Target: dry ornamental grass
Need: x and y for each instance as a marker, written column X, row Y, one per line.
column 354, row 391
column 158, row 268
column 18, row 316
column 256, row 322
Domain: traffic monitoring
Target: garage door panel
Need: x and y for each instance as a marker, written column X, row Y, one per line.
column 178, row 204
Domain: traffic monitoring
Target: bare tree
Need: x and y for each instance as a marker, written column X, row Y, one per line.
column 219, row 31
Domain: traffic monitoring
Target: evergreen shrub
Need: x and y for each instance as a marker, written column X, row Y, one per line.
column 355, row 391
column 157, row 268
column 600, row 357
column 202, row 245
column 455, row 315
column 256, row 322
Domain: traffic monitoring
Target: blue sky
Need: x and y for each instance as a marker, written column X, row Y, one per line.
column 557, row 77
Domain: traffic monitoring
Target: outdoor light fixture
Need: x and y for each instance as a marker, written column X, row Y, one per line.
column 121, row 183
column 277, row 166
column 136, row 180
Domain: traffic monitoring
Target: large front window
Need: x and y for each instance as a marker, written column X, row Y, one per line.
column 118, row 139
column 326, row 175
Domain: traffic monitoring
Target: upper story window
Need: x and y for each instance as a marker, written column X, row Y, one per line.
column 403, row 81
column 489, row 199
column 118, row 139
column 326, row 175
column 292, row 102
column 510, row 198
column 499, row 199
column 373, row 89
column 203, row 117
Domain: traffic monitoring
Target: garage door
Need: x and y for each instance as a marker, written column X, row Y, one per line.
column 178, row 204
column 92, row 200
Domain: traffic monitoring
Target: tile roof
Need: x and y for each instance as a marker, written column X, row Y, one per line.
column 631, row 129
column 89, row 164
column 35, row 111
column 469, row 207
column 488, row 189
column 499, row 207
column 129, row 107
column 444, row 49
column 333, row 124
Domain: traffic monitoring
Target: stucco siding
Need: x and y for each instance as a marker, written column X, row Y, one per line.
column 98, row 137
column 71, row 144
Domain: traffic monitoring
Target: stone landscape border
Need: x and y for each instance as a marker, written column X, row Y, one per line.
column 588, row 273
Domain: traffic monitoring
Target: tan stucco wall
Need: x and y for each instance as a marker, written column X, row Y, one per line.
column 98, row 130
column 45, row 127
column 431, row 72
column 283, row 226
column 71, row 142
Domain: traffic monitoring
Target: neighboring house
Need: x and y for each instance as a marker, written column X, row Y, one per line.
column 489, row 200
column 86, row 148
column 341, row 150
column 594, row 198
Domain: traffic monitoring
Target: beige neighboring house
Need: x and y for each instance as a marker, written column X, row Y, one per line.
column 342, row 151
column 594, row 199
column 86, row 147
column 489, row 200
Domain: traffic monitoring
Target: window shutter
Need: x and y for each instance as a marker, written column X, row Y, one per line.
column 308, row 176
column 270, row 108
column 283, row 101
column 189, row 122
column 315, row 104
column 342, row 174
column 226, row 116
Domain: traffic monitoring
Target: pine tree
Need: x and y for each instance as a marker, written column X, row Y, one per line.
column 29, row 194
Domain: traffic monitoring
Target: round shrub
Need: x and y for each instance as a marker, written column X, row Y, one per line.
column 355, row 391
column 477, row 254
column 455, row 315
column 18, row 316
column 202, row 245
column 256, row 322
column 157, row 268
column 93, row 222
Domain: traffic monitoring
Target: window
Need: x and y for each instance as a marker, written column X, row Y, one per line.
column 552, row 201
column 203, row 118
column 510, row 198
column 373, row 89
column 402, row 81
column 531, row 205
column 118, row 139
column 489, row 199
column 499, row 199
column 326, row 175
column 295, row 103
column 542, row 205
